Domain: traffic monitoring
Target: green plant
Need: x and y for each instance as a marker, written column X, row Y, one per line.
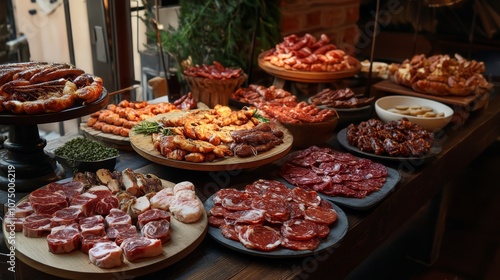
column 222, row 30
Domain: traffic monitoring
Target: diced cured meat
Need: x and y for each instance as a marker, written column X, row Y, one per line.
column 64, row 239
column 321, row 215
column 113, row 231
column 158, row 229
column 86, row 202
column 262, row 238
column 229, row 232
column 70, row 189
column 45, row 201
column 117, row 216
column 309, row 244
column 66, row 216
column 298, row 229
column 23, row 209
column 247, row 216
column 106, row 255
column 152, row 215
column 36, row 225
column 90, row 240
column 162, row 199
column 216, row 221
column 309, row 198
column 105, row 200
column 93, row 225
column 141, row 247
column 12, row 223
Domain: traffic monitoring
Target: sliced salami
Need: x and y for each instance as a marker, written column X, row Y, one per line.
column 298, row 229
column 251, row 217
column 321, row 215
column 220, row 194
column 262, row 238
column 216, row 221
column 308, row 198
column 229, row 232
column 297, row 245
column 237, row 201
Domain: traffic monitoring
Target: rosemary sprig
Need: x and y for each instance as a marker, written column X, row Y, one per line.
column 147, row 127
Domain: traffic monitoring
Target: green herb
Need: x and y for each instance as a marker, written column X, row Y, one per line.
column 260, row 117
column 147, row 127
column 83, row 149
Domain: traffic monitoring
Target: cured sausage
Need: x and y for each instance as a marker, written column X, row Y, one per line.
column 262, row 238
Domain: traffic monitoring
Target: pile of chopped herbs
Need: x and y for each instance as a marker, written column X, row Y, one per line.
column 83, row 149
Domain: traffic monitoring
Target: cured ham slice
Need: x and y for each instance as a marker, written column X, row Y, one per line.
column 106, row 255
column 321, row 215
column 309, row 244
column 90, row 240
column 93, row 225
column 262, row 238
column 229, row 232
column 152, row 215
column 162, row 199
column 86, row 202
column 159, row 229
column 64, row 239
column 46, row 201
column 23, row 209
column 66, row 216
column 141, row 247
column 298, row 229
column 308, row 198
column 247, row 216
column 117, row 216
column 36, row 225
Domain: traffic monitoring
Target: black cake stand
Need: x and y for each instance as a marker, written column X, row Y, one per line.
column 24, row 165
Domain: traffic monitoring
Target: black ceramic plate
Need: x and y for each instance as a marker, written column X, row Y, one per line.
column 342, row 138
column 337, row 232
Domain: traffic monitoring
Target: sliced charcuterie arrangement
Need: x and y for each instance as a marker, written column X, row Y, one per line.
column 111, row 217
column 268, row 218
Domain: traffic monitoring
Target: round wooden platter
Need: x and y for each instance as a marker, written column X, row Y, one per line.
column 306, row 76
column 117, row 141
column 143, row 145
column 76, row 265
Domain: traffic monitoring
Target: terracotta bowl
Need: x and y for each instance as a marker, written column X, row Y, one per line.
column 309, row 134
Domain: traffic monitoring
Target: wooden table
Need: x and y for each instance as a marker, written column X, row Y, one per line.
column 420, row 183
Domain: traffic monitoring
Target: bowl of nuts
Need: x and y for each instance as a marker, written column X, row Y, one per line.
column 429, row 114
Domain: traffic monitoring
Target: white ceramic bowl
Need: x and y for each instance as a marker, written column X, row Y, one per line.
column 383, row 104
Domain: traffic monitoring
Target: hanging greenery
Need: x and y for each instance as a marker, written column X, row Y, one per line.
column 222, row 30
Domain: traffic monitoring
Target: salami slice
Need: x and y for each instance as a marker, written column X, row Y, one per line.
column 262, row 238
column 229, row 232
column 218, row 211
column 251, row 217
column 220, row 194
column 322, row 230
column 321, row 215
column 308, row 198
column 299, row 245
column 298, row 229
column 237, row 201
column 216, row 221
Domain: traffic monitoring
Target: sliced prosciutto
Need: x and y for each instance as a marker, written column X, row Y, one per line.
column 159, row 229
column 36, row 225
column 106, row 255
column 141, row 247
column 64, row 239
column 262, row 238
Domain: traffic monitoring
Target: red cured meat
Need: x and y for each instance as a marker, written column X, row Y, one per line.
column 13, row 223
column 330, row 168
column 93, row 225
column 276, row 210
column 106, row 255
column 298, row 229
column 216, row 221
column 70, row 189
column 309, row 244
column 229, row 232
column 158, row 229
column 86, row 202
column 66, row 216
column 152, row 215
column 220, row 194
column 268, row 189
column 105, row 200
column 296, row 210
column 247, row 216
column 322, row 230
column 123, row 234
column 23, row 209
column 117, row 216
column 141, row 247
column 308, row 198
column 262, row 238
column 64, row 239
column 46, row 201
column 90, row 240
column 321, row 215
column 237, row 201
column 113, row 231
column 36, row 225
column 218, row 211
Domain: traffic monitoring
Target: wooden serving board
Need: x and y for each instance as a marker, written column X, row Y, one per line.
column 108, row 138
column 76, row 265
column 306, row 76
column 143, row 145
column 471, row 102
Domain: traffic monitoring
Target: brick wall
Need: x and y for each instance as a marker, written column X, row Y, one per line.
column 335, row 18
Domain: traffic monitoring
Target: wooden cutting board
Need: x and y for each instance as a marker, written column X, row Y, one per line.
column 76, row 265
column 115, row 141
column 143, row 145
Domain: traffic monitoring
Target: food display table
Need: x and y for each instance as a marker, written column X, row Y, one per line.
column 420, row 183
